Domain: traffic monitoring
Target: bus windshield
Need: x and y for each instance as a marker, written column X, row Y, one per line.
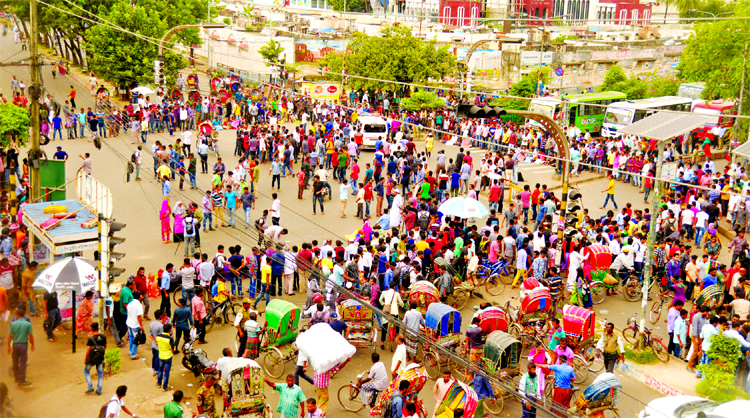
column 545, row 108
column 619, row 116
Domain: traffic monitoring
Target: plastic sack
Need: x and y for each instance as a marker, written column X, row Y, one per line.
column 324, row 357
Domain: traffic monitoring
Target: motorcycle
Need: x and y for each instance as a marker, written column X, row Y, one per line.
column 195, row 359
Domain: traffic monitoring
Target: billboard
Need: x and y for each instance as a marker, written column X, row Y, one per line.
column 322, row 91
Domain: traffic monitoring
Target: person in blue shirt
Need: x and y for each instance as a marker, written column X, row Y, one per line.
column 338, row 325
column 455, row 182
column 60, row 155
column 230, row 197
column 397, row 400
column 164, row 284
column 56, row 127
column 277, row 270
column 484, row 391
column 564, row 378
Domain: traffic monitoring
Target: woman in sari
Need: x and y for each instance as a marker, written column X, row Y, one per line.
column 84, row 315
column 166, row 216
column 179, row 225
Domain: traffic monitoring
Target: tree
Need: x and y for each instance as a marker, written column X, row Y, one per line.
column 123, row 58
column 397, row 55
column 14, row 125
column 705, row 8
column 613, row 78
column 714, row 55
column 718, row 382
column 271, row 51
column 422, row 100
column 351, row 5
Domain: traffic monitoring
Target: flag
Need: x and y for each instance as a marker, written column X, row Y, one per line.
column 61, row 68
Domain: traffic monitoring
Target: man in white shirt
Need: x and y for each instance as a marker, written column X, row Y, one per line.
column 134, row 322
column 377, row 377
column 398, row 363
column 116, row 404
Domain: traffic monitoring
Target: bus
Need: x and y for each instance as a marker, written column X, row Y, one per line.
column 715, row 107
column 691, row 90
column 622, row 114
column 579, row 114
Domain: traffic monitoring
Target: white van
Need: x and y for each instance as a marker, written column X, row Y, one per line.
column 371, row 128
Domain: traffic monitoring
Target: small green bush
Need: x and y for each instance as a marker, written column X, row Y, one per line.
column 718, row 375
column 646, row 356
column 112, row 361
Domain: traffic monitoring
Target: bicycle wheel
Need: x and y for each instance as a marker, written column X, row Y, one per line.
column 595, row 364
column 349, row 398
column 494, row 285
column 659, row 349
column 431, row 362
column 273, row 363
column 580, row 368
column 598, row 292
column 461, row 296
column 209, row 319
column 655, row 313
column 632, row 290
column 176, row 295
column 231, row 312
column 483, row 273
column 508, row 273
column 630, row 334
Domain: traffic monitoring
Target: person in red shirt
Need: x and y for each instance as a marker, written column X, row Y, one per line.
column 535, row 200
column 368, row 198
column 301, row 182
column 141, row 285
column 494, row 195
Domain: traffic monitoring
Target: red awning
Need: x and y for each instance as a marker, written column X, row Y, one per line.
column 231, row 41
column 215, row 36
column 244, row 46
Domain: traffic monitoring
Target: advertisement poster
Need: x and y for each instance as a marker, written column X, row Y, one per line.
column 41, row 254
column 323, row 91
column 66, row 308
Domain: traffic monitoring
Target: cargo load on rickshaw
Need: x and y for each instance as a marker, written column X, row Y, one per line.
column 599, row 258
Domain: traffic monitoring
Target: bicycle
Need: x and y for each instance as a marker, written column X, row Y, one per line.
column 633, row 288
column 177, row 294
column 496, row 275
column 221, row 313
column 656, row 308
column 655, row 343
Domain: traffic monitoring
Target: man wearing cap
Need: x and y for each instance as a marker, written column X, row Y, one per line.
column 60, row 154
column 239, row 323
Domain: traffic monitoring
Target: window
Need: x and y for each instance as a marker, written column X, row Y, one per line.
column 623, row 17
column 599, row 16
column 648, row 64
column 447, row 15
column 601, row 66
column 609, row 17
column 634, row 19
column 646, row 17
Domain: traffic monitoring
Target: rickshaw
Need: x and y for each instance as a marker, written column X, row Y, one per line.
column 176, row 95
column 360, row 320
column 599, row 399
column 492, row 319
column 424, row 294
column 531, row 317
column 462, row 289
column 459, row 395
column 246, row 397
column 215, row 83
column 599, row 259
column 205, row 128
column 415, row 374
column 712, row 296
column 443, row 326
column 579, row 325
column 279, row 335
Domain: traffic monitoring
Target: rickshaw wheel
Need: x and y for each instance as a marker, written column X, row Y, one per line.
column 432, row 364
column 349, row 398
column 598, row 292
column 273, row 363
column 580, row 368
column 231, row 312
column 494, row 406
column 459, row 371
column 461, row 297
column 655, row 313
column 595, row 364
column 494, row 285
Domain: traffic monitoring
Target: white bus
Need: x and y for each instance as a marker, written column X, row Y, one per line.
column 622, row 114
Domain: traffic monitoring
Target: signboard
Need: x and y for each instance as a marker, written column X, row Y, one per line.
column 323, row 91
column 559, row 72
column 669, row 171
column 531, row 58
column 40, row 254
column 94, row 195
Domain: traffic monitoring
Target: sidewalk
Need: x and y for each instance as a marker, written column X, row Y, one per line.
column 671, row 378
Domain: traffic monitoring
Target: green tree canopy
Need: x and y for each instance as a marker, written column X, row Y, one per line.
column 714, row 52
column 397, row 55
column 422, row 100
column 639, row 86
column 351, row 5
column 124, row 58
column 270, row 51
column 14, row 125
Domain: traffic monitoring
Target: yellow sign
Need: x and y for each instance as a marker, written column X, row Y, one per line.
column 323, row 91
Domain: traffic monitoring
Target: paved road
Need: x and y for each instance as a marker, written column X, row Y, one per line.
column 136, row 203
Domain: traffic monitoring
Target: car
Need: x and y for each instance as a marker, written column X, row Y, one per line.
column 691, row 406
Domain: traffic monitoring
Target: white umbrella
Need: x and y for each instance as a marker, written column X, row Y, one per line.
column 463, row 207
column 74, row 274
column 143, row 90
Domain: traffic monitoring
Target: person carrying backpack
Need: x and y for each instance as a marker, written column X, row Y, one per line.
column 394, row 407
column 97, row 345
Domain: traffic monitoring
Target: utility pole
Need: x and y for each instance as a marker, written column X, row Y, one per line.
column 35, row 91
column 738, row 122
column 650, row 242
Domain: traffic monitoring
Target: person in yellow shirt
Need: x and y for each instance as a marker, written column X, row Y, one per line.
column 265, row 283
column 326, row 264
column 222, row 294
column 163, row 170
column 610, row 190
column 165, row 342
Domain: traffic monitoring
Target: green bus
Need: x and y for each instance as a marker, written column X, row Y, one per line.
column 582, row 116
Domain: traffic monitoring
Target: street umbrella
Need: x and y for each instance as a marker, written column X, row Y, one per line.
column 74, row 274
column 463, row 207
column 143, row 90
